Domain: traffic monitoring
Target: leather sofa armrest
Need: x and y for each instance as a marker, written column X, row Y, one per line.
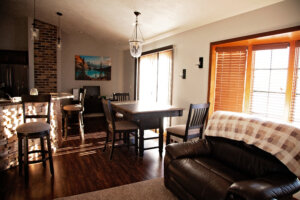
column 188, row 149
column 271, row 187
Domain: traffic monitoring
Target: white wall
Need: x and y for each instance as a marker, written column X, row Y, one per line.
column 81, row 44
column 191, row 45
column 128, row 73
column 13, row 34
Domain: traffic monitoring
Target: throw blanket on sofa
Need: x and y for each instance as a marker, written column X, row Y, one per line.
column 279, row 139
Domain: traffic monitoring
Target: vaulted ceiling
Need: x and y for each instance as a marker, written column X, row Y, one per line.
column 111, row 21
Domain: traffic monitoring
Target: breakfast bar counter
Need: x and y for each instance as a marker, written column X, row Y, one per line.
column 11, row 116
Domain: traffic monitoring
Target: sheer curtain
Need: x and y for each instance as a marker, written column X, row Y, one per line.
column 155, row 79
column 147, row 86
column 155, row 76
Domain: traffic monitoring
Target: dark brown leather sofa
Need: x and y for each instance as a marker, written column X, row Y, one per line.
column 217, row 168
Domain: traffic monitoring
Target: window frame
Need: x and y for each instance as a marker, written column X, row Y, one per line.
column 277, row 36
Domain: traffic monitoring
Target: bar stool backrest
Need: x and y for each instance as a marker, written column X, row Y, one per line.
column 82, row 94
column 42, row 98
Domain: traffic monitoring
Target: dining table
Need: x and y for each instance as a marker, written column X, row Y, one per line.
column 147, row 115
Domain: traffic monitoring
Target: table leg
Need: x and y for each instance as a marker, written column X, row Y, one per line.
column 141, row 142
column 161, row 135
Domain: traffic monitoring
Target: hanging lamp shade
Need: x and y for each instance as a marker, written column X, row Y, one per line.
column 136, row 41
column 35, row 32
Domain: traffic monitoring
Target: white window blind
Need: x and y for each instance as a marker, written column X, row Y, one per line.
column 270, row 68
column 295, row 105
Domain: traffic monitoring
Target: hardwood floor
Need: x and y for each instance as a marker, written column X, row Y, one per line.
column 84, row 170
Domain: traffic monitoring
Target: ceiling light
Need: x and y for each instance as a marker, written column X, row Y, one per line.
column 59, row 31
column 136, row 40
column 34, row 31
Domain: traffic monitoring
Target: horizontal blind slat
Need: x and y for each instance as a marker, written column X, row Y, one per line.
column 230, row 78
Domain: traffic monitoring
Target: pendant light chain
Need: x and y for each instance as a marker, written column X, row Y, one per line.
column 59, row 30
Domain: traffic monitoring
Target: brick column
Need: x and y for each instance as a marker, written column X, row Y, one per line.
column 45, row 66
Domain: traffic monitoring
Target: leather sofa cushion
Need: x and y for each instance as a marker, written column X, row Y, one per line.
column 203, row 177
column 245, row 158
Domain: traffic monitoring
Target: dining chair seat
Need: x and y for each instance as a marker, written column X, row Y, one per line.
column 180, row 130
column 123, row 126
column 75, row 107
column 33, row 127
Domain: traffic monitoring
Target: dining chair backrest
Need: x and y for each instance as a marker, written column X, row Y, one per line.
column 42, row 98
column 197, row 117
column 121, row 96
column 108, row 112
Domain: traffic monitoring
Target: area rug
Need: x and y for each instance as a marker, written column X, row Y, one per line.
column 145, row 190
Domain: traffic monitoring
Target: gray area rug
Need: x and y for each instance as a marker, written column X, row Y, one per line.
column 145, row 190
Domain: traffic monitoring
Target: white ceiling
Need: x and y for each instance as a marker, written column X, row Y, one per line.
column 111, row 21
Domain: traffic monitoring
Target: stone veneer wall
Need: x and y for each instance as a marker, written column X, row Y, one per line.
column 11, row 116
column 45, row 64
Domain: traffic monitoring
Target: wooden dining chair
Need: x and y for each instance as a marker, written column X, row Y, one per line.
column 118, row 127
column 31, row 130
column 121, row 96
column 195, row 124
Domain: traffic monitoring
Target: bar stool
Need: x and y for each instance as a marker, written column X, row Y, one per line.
column 33, row 130
column 78, row 109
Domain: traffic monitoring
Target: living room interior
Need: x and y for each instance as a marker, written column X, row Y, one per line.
column 202, row 98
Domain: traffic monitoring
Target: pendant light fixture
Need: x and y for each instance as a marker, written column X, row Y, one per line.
column 34, row 31
column 59, row 31
column 136, row 41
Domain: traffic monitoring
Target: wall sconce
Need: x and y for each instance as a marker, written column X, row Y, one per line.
column 200, row 65
column 183, row 75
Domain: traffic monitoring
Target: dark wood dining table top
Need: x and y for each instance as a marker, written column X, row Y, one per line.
column 139, row 107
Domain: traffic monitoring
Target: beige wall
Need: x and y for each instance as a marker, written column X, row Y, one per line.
column 81, row 44
column 128, row 73
column 13, row 34
column 191, row 45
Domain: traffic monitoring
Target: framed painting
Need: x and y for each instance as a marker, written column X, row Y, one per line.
column 92, row 67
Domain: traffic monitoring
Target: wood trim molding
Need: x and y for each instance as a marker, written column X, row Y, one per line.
column 289, row 83
column 268, row 33
column 158, row 50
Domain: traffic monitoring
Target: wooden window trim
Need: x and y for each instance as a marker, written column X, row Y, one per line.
column 271, row 37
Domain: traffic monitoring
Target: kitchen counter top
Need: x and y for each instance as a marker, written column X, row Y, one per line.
column 55, row 96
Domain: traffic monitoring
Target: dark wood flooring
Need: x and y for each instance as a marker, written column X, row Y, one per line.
column 77, row 173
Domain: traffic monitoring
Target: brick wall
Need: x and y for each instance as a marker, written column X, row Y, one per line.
column 45, row 67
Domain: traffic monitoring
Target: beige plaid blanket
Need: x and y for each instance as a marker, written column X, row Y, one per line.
column 279, row 139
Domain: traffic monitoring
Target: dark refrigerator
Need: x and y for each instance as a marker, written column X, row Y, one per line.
column 13, row 73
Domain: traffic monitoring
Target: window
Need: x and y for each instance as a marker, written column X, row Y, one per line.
column 230, row 78
column 257, row 74
column 295, row 105
column 270, row 67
